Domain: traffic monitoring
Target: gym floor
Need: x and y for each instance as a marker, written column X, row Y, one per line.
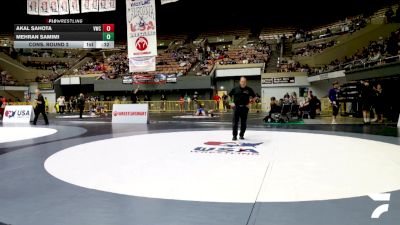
column 178, row 170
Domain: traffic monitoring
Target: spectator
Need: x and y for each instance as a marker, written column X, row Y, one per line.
column 61, row 104
column 389, row 15
column 163, row 103
column 46, row 104
column 187, row 101
column 146, row 98
column 379, row 104
column 217, row 100
column 181, row 104
column 225, row 101
column 333, row 96
column 81, row 105
column 366, row 97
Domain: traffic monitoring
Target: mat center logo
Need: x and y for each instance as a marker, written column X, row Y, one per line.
column 238, row 148
column 142, row 43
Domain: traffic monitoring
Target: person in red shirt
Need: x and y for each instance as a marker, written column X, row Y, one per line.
column 217, row 100
column 2, row 105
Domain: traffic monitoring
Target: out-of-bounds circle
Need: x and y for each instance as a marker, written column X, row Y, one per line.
column 207, row 166
column 12, row 134
column 194, row 117
column 75, row 116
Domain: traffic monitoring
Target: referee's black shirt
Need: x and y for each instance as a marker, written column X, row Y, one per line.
column 241, row 96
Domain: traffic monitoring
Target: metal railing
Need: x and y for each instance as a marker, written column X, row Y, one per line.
column 359, row 64
column 168, row 106
column 154, row 106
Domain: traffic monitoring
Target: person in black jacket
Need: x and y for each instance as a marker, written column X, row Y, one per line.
column 379, row 103
column 366, row 99
column 40, row 108
column 240, row 101
column 81, row 104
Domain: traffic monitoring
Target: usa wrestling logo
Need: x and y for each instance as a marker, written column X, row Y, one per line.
column 215, row 147
column 9, row 113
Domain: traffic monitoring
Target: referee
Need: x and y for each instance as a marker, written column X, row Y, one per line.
column 40, row 108
column 240, row 101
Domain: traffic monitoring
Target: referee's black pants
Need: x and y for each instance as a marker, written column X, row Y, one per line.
column 240, row 112
column 40, row 111
column 81, row 108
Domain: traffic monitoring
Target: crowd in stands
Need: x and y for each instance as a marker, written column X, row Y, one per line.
column 48, row 54
column 348, row 26
column 47, row 65
column 47, row 60
column 376, row 53
column 247, row 54
column 47, row 78
column 7, row 79
column 176, row 62
column 312, row 49
column 290, row 65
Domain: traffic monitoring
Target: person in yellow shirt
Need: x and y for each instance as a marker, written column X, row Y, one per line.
column 46, row 104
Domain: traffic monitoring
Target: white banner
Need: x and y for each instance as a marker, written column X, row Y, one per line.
column 130, row 113
column 90, row 6
column 44, row 8
column 18, row 114
column 142, row 64
column 141, row 28
column 63, row 7
column 107, row 5
column 111, row 5
column 167, row 1
column 74, row 7
column 53, row 7
column 32, row 7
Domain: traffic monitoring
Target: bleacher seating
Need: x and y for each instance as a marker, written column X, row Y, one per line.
column 7, row 79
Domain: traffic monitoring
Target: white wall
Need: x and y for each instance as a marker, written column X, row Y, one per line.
column 238, row 72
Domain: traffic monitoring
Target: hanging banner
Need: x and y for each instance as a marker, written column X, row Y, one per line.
column 167, row 1
column 32, row 7
column 103, row 6
column 44, row 8
column 107, row 5
column 142, row 64
column 64, row 7
column 53, row 7
column 111, row 5
column 142, row 34
column 90, row 6
column 74, row 7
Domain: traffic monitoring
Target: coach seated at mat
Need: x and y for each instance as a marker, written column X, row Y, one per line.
column 274, row 109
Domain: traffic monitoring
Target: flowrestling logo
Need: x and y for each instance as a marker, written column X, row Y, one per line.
column 238, row 148
column 116, row 113
column 17, row 113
